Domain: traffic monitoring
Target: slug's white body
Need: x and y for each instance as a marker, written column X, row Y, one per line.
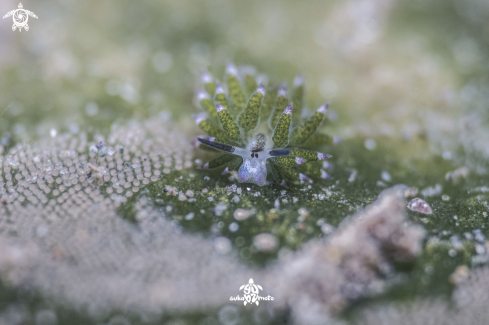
column 254, row 167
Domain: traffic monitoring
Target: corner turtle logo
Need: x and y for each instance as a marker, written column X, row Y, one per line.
column 251, row 294
column 20, row 17
column 251, row 291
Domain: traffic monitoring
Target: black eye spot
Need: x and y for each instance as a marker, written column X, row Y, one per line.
column 256, row 155
column 252, row 155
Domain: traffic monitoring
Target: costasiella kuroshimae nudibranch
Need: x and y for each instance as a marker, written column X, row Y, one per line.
column 264, row 135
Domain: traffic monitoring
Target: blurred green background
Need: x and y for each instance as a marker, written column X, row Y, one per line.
column 381, row 64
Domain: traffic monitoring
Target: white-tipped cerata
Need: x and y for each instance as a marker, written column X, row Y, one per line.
column 323, row 108
column 205, row 77
column 327, row 165
column 282, row 92
column 202, row 95
column 324, row 175
column 261, row 89
column 288, row 110
column 231, row 69
column 199, row 117
column 219, row 108
column 219, row 89
column 299, row 160
column 303, row 177
column 322, row 156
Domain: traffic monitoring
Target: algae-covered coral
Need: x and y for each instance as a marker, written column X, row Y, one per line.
column 323, row 278
column 263, row 134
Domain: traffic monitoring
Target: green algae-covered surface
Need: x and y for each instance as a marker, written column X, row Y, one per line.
column 407, row 84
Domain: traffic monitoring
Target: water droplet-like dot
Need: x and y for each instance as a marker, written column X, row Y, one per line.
column 265, row 242
column 243, row 214
column 222, row 245
column 370, row 144
column 233, row 227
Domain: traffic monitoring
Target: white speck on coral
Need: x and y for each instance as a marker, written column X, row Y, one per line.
column 233, row 227
column 265, row 242
column 419, row 205
column 243, row 214
column 386, row 176
column 370, row 144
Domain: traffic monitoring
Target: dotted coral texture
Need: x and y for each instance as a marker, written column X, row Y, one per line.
column 60, row 232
